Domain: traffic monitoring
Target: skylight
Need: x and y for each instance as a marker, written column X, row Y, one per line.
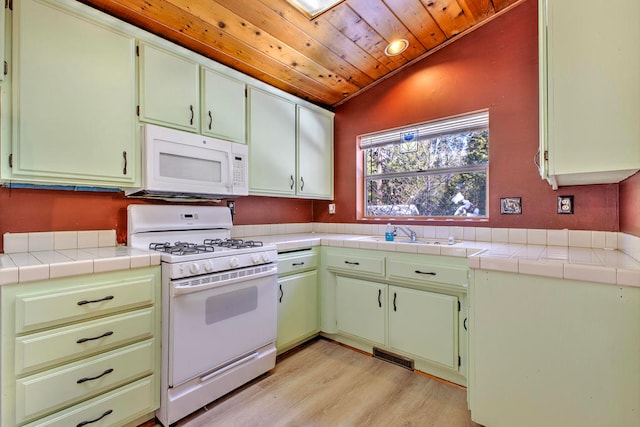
column 313, row 8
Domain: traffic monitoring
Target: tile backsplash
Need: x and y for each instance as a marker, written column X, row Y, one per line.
column 58, row 240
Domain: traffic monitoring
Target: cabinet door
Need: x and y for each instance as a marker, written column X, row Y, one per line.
column 570, row 347
column 2, row 38
column 169, row 89
column 272, row 144
column 297, row 308
column 315, row 153
column 424, row 324
column 223, row 107
column 361, row 308
column 590, row 91
column 74, row 104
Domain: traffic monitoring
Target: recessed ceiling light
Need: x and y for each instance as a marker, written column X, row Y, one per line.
column 396, row 47
column 313, row 8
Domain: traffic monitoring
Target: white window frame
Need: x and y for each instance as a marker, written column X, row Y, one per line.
column 478, row 120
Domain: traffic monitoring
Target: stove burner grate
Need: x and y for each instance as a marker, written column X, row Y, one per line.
column 233, row 243
column 209, row 245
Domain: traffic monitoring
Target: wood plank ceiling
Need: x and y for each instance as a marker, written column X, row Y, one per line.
column 326, row 60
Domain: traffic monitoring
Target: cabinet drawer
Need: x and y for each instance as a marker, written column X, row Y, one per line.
column 45, row 392
column 364, row 264
column 427, row 272
column 114, row 408
column 53, row 347
column 60, row 306
column 297, row 261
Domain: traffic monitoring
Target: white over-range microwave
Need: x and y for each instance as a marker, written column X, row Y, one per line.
column 179, row 165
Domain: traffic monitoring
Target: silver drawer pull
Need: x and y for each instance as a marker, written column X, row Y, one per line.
column 85, row 379
column 430, row 273
column 84, row 301
column 106, row 334
column 84, row 423
column 352, row 263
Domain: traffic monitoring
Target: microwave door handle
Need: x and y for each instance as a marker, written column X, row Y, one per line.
column 230, row 169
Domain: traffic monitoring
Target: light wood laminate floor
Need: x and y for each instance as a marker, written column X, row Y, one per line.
column 326, row 384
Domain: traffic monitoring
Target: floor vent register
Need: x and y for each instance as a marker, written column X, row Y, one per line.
column 396, row 359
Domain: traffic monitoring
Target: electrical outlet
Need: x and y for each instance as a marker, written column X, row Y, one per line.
column 565, row 204
column 332, row 208
column 232, row 206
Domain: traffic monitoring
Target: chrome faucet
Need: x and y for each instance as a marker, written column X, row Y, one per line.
column 409, row 232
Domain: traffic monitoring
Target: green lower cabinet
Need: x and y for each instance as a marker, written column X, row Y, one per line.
column 76, row 350
column 297, row 309
column 361, row 309
column 424, row 324
column 553, row 352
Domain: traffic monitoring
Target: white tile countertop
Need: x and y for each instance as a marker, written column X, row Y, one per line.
column 41, row 256
column 601, row 265
column 50, row 255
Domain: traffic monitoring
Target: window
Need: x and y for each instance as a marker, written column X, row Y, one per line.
column 434, row 169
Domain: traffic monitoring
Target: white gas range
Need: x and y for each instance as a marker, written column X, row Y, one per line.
column 219, row 308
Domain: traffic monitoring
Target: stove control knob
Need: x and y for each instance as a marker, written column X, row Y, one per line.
column 194, row 268
column 208, row 266
column 265, row 257
column 255, row 258
column 234, row 263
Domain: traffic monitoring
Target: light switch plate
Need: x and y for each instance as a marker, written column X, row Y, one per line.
column 565, row 204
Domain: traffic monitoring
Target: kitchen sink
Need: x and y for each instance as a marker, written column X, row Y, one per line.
column 419, row 241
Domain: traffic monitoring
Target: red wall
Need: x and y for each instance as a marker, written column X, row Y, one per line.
column 30, row 210
column 630, row 205
column 494, row 67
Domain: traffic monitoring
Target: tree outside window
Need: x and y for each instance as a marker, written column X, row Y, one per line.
column 434, row 169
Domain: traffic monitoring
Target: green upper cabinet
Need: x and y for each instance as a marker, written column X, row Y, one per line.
column 315, row 153
column 2, row 38
column 73, row 103
column 169, row 89
column 291, row 148
column 223, row 106
column 589, row 91
column 272, row 144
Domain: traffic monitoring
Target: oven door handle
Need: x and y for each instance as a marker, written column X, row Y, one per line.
column 232, row 365
column 178, row 289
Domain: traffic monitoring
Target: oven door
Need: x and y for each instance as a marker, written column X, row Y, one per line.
column 212, row 326
column 182, row 162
